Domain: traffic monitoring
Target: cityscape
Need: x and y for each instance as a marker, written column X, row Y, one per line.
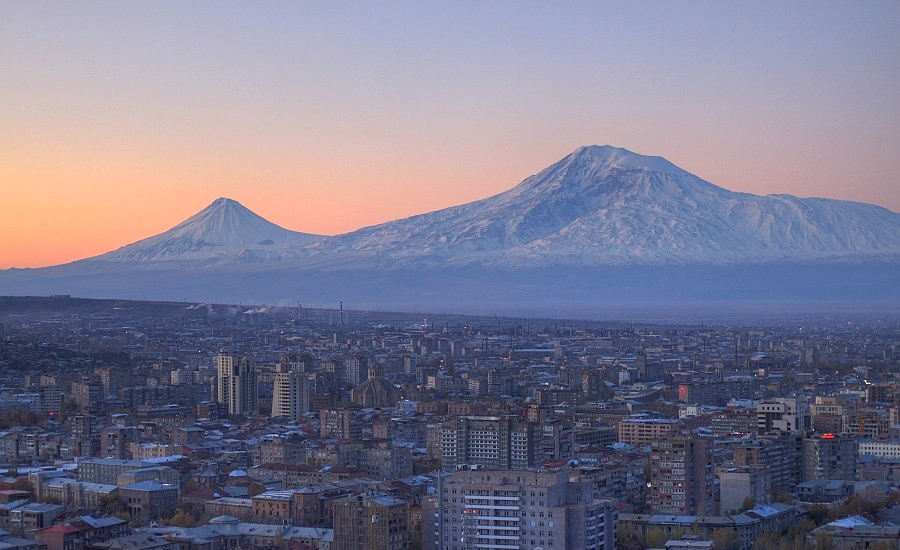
column 419, row 275
column 154, row 425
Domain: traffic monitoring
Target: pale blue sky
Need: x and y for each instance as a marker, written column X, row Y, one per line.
column 393, row 109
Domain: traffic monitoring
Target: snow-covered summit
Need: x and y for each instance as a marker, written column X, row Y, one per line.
column 601, row 226
column 227, row 222
column 599, row 205
column 616, row 157
column 603, row 205
column 224, row 230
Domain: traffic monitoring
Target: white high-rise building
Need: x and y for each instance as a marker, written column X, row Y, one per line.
column 236, row 388
column 290, row 394
column 511, row 510
column 785, row 414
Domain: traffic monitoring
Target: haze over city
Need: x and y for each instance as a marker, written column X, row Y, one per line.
column 449, row 276
column 122, row 120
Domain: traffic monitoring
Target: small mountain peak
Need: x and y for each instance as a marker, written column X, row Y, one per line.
column 224, row 202
column 226, row 221
column 225, row 224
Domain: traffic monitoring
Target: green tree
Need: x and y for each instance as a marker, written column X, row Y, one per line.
column 782, row 496
column 655, row 538
column 628, row 539
column 818, row 513
column 255, row 488
column 725, row 539
column 748, row 503
column 189, row 487
column 69, row 408
column 824, row 542
column 111, row 505
column 767, row 541
column 182, row 519
column 22, row 484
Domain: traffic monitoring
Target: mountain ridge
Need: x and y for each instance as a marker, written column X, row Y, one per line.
column 618, row 207
column 602, row 224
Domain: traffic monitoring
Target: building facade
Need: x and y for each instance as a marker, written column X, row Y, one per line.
column 495, row 442
column 290, row 395
column 829, row 456
column 509, row 510
column 642, row 431
column 681, row 476
column 237, row 384
column 783, row 414
column 373, row 521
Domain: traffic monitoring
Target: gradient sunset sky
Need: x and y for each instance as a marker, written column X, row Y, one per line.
column 120, row 119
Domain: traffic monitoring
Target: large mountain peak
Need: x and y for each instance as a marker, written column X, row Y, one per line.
column 608, row 157
column 603, row 205
column 598, row 173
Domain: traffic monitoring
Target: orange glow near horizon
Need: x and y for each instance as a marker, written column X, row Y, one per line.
column 67, row 220
column 58, row 218
column 119, row 121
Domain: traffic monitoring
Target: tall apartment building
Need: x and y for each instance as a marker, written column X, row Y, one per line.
column 736, row 485
column 882, row 393
column 290, row 393
column 356, row 367
column 87, row 394
column 682, row 480
column 716, row 392
column 338, row 424
column 555, row 440
column 112, row 378
column 114, row 441
column 494, row 442
column 237, row 384
column 183, row 376
column 873, row 423
column 829, row 456
column 371, row 521
column 781, row 456
column 510, row 510
column 50, row 400
column 834, row 414
column 784, row 414
column 642, row 431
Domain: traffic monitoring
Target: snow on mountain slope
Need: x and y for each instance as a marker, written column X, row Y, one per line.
column 224, row 232
column 601, row 226
column 609, row 206
column 598, row 206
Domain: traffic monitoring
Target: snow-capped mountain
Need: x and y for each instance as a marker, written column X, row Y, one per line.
column 601, row 226
column 608, row 206
column 225, row 232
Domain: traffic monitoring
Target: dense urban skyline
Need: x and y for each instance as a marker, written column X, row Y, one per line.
column 204, row 427
column 124, row 120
